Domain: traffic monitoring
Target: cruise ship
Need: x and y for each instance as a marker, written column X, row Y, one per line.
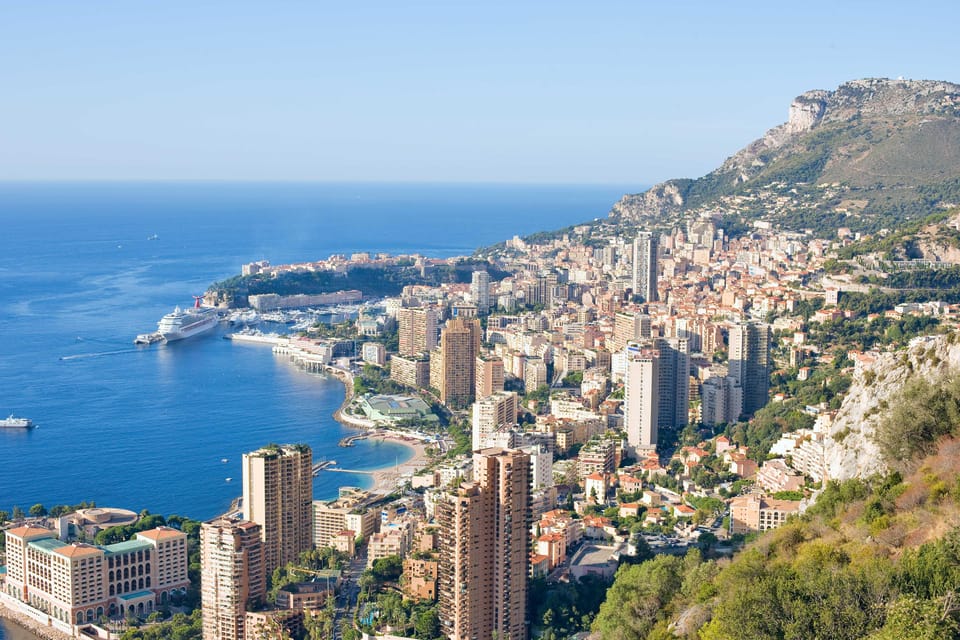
column 181, row 324
column 16, row 423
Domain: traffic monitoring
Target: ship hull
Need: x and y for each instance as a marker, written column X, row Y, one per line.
column 198, row 328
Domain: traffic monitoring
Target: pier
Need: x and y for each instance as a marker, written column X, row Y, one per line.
column 320, row 466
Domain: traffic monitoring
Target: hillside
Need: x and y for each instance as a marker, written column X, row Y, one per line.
column 869, row 155
column 874, row 559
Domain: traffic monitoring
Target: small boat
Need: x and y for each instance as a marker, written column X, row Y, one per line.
column 229, row 479
column 224, row 460
column 16, row 423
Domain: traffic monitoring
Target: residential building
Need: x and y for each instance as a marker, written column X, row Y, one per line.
column 278, row 495
column 776, row 476
column 641, row 399
column 721, row 400
column 756, row 512
column 417, row 328
column 456, row 366
column 232, row 575
column 750, row 362
column 673, row 379
column 412, row 371
column 489, row 375
column 480, row 291
column 645, row 266
column 491, row 413
column 484, row 559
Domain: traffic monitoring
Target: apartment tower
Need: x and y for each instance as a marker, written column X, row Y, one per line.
column 489, row 375
column 484, row 549
column 641, row 398
column 456, row 369
column 417, row 330
column 645, row 266
column 674, row 382
column 749, row 362
column 278, row 495
column 232, row 575
column 480, row 291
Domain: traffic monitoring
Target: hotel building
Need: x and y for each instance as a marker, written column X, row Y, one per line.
column 80, row 583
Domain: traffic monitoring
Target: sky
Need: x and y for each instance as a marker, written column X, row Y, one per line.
column 447, row 91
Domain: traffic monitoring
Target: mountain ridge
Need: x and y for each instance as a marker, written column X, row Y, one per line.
column 889, row 146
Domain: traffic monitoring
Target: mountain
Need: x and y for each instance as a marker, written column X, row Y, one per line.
column 869, row 155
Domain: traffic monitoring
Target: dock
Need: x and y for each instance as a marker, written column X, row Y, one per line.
column 320, row 466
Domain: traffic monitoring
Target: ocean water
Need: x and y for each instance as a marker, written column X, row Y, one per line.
column 148, row 428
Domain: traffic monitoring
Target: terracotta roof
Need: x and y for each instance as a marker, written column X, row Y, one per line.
column 161, row 533
column 23, row 532
column 78, row 550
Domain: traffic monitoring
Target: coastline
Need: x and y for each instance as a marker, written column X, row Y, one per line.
column 385, row 479
column 18, row 626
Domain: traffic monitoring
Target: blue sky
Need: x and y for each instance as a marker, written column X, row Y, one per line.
column 577, row 92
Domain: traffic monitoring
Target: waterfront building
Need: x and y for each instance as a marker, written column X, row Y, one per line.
column 278, row 495
column 79, row 583
column 484, row 554
column 641, row 401
column 232, row 575
column 412, row 371
column 480, row 291
column 491, row 413
column 750, row 362
column 489, row 375
column 456, row 367
column 417, row 330
column 645, row 266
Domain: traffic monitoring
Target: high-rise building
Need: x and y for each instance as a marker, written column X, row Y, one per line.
column 645, row 266
column 641, row 399
column 456, row 369
column 232, row 575
column 491, row 413
column 417, row 330
column 480, row 291
column 749, row 362
column 278, row 495
column 489, row 375
column 628, row 327
column 484, row 549
column 674, row 381
column 721, row 400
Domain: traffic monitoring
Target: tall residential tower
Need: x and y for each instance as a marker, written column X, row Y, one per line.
column 645, row 266
column 278, row 495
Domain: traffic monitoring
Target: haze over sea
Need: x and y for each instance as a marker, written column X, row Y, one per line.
column 147, row 428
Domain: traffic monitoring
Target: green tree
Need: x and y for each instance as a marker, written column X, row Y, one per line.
column 17, row 513
column 38, row 511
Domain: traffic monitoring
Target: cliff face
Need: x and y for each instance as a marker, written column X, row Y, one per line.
column 865, row 132
column 850, row 449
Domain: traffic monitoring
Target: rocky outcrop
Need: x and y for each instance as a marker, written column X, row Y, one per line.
column 859, row 99
column 850, row 450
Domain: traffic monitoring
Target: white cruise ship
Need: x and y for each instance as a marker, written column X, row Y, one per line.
column 181, row 324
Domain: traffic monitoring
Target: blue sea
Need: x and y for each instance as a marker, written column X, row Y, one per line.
column 84, row 267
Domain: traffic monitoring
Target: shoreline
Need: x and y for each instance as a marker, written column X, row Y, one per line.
column 21, row 626
column 385, row 479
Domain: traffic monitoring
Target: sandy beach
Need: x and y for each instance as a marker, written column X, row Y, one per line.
column 386, row 480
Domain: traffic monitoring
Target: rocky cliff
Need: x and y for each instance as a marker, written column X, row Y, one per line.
column 868, row 133
column 850, row 449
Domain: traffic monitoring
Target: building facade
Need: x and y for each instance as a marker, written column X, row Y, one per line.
column 456, row 368
column 641, row 400
column 278, row 495
column 80, row 583
column 484, row 549
column 417, row 330
column 750, row 362
column 645, row 266
column 232, row 576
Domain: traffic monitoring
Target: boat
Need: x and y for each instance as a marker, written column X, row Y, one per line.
column 147, row 338
column 16, row 423
column 180, row 324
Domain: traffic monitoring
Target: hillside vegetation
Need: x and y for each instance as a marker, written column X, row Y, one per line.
column 875, row 559
column 889, row 150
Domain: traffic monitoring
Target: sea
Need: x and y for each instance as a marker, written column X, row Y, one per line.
column 85, row 267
